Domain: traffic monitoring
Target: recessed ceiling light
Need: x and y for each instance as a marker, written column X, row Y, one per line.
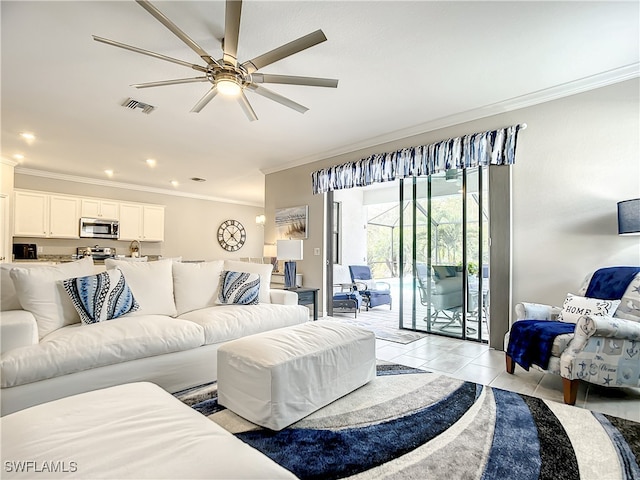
column 151, row 162
column 18, row 156
column 109, row 173
column 174, row 183
column 28, row 136
column 197, row 179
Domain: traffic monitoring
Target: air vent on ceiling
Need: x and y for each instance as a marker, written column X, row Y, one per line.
column 133, row 104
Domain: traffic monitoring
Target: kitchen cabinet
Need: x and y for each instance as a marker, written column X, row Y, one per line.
column 141, row 222
column 97, row 208
column 39, row 214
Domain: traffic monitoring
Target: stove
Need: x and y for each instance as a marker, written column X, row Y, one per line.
column 97, row 252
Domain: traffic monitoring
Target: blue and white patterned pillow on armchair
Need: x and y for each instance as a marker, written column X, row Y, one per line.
column 239, row 288
column 101, row 297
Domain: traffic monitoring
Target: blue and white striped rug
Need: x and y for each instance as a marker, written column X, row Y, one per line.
column 409, row 424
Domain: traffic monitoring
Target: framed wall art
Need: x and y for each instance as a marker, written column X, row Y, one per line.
column 291, row 223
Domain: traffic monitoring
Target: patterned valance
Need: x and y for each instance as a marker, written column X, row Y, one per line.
column 495, row 147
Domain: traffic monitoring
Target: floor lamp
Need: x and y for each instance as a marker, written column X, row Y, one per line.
column 290, row 251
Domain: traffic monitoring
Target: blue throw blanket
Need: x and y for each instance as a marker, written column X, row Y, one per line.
column 610, row 283
column 530, row 341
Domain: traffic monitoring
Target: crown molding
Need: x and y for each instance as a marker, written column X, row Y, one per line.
column 128, row 186
column 7, row 161
column 567, row 89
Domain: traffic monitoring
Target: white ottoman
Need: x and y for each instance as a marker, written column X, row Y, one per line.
column 276, row 378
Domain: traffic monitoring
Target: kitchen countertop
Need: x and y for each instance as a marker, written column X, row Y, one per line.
column 66, row 259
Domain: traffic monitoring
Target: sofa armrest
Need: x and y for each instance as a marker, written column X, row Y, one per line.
column 609, row 327
column 603, row 351
column 283, row 297
column 536, row 311
column 18, row 328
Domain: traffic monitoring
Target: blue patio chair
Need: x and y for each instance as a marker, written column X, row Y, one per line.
column 373, row 292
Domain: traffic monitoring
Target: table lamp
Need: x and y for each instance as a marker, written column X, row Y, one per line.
column 289, row 251
column 629, row 217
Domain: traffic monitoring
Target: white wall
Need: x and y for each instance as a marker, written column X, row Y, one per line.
column 577, row 158
column 191, row 225
column 353, row 226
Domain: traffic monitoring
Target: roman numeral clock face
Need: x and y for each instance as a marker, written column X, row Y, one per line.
column 231, row 235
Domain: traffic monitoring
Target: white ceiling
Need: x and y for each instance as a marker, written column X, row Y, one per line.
column 404, row 67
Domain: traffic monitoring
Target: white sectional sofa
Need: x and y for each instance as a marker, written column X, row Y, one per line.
column 170, row 339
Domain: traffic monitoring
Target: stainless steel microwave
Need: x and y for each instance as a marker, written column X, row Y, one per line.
column 99, row 228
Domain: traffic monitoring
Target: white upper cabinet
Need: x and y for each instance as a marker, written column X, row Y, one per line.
column 130, row 221
column 141, row 222
column 97, row 208
column 64, row 216
column 50, row 215
column 153, row 223
column 43, row 215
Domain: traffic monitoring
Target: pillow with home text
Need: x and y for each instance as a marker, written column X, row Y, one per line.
column 575, row 307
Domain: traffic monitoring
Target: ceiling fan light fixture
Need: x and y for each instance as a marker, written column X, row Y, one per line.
column 228, row 86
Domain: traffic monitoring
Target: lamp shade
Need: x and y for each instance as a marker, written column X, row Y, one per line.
column 629, row 217
column 289, row 249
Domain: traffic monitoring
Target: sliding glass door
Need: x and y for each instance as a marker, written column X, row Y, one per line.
column 428, row 239
column 444, row 254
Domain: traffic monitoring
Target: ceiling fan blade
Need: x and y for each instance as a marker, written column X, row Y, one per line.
column 147, row 52
column 284, row 51
column 233, row 10
column 204, row 100
column 292, row 80
column 170, row 82
column 246, row 107
column 277, row 98
column 176, row 31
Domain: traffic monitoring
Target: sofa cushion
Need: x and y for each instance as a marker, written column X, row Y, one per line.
column 130, row 431
column 444, row 271
column 80, row 347
column 195, row 285
column 8, row 296
column 264, row 270
column 238, row 288
column 41, row 292
column 101, row 297
column 151, row 284
column 575, row 307
column 448, row 285
column 228, row 322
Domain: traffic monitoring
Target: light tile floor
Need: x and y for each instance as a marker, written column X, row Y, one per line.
column 478, row 363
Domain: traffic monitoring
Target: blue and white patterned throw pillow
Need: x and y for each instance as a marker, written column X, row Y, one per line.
column 239, row 288
column 101, row 297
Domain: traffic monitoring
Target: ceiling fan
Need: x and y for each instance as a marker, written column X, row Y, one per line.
column 227, row 75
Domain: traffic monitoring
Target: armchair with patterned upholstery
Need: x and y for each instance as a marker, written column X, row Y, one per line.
column 602, row 348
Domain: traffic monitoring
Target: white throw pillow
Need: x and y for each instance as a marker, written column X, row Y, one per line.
column 575, row 307
column 195, row 285
column 40, row 291
column 239, row 288
column 151, row 284
column 264, row 270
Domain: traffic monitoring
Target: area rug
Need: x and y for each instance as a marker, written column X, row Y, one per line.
column 410, row 424
column 384, row 330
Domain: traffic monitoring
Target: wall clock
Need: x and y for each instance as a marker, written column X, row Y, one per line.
column 231, row 235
